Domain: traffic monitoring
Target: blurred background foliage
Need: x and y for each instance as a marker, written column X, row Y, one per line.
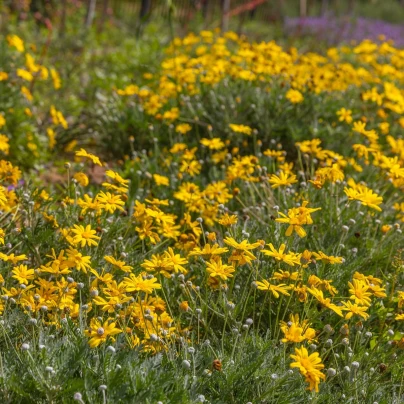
column 98, row 46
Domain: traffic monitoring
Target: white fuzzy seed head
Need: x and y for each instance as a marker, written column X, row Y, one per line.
column 78, row 397
column 111, row 349
column 186, row 364
column 331, row 372
column 25, row 347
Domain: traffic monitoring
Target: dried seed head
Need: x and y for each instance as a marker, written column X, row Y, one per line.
column 217, row 365
column 345, row 341
column 344, row 330
column 382, row 367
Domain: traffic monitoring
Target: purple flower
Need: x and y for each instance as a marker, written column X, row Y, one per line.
column 335, row 30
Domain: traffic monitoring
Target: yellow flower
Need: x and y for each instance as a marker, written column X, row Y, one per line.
column 284, row 179
column 23, row 274
column 290, row 258
column 353, row 308
column 59, row 119
column 227, row 220
column 217, row 269
column 161, row 180
column 241, row 254
column 159, row 264
column 4, row 145
column 129, row 90
column 274, row 289
column 88, row 204
column 27, row 94
column 297, row 332
column 172, row 114
column 345, row 115
column 329, row 259
column 359, row 291
column 75, row 258
column 213, row 144
column 208, row 251
column 240, row 129
column 192, row 167
column 138, row 284
column 183, row 128
column 84, row 236
column 279, row 155
column 99, row 333
column 16, row 42
column 359, row 127
column 92, row 157
column 326, row 302
column 365, row 195
column 296, row 218
column 184, row 306
column 57, row 83
column 333, row 173
column 322, row 284
column 52, row 138
column 119, row 264
column 51, row 219
column 12, row 258
column 377, row 291
column 285, row 275
column 111, row 302
column 81, row 178
column 116, row 177
column 24, row 74
column 294, row 96
column 109, row 202
column 385, row 228
column 309, row 366
column 175, row 260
